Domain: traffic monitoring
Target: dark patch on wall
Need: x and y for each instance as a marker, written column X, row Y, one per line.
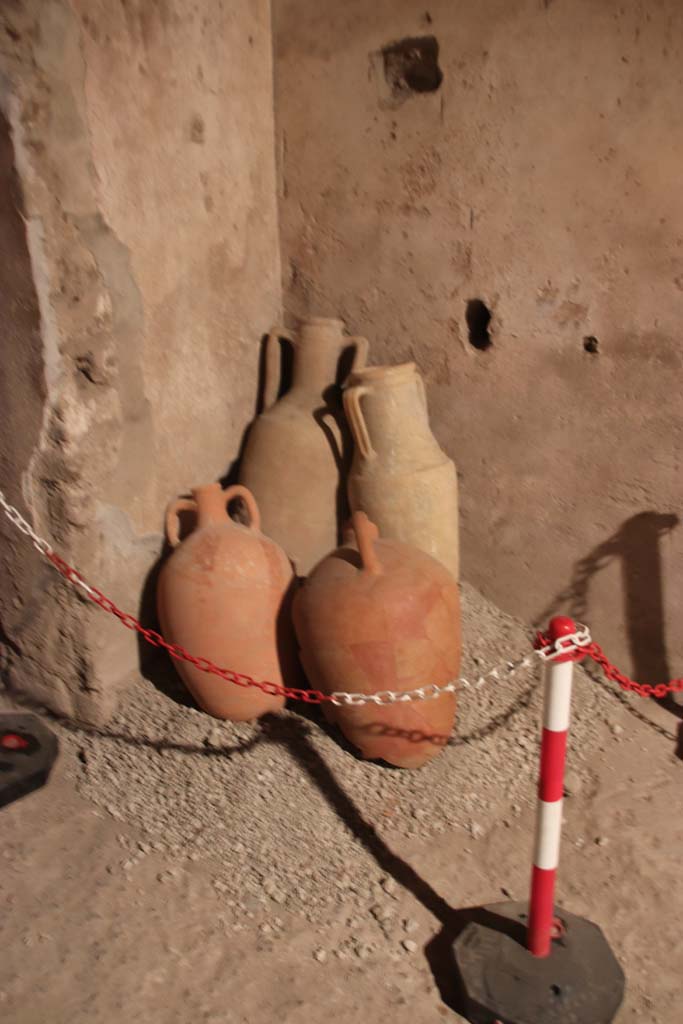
column 478, row 318
column 197, row 129
column 412, row 65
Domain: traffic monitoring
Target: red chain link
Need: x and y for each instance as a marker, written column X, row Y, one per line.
column 596, row 652
column 178, row 652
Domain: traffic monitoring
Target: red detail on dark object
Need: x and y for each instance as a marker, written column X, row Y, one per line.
column 553, row 753
column 13, row 741
column 541, row 911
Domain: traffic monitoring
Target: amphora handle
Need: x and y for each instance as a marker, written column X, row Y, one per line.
column 354, row 415
column 172, row 513
column 360, row 356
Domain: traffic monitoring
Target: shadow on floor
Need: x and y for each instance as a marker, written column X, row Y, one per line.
column 637, row 546
column 439, row 950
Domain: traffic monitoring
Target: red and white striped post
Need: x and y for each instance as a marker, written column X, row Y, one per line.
column 556, row 715
column 502, row 978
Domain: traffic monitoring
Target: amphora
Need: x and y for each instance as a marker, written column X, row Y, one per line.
column 224, row 594
column 399, row 475
column 294, row 456
column 379, row 615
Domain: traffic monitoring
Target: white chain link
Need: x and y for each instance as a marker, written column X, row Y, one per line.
column 15, row 517
column 506, row 670
column 564, row 645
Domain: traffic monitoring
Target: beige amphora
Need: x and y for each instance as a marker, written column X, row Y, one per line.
column 399, row 475
column 294, row 456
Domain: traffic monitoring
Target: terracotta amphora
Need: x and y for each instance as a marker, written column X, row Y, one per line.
column 294, row 456
column 224, row 594
column 380, row 616
column 399, row 474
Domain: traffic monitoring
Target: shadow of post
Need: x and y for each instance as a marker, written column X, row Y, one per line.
column 637, row 545
column 439, row 950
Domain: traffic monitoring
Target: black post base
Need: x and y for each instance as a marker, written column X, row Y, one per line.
column 27, row 752
column 579, row 983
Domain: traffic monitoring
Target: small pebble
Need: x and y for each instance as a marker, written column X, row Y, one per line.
column 601, row 841
column 320, row 955
column 389, row 885
column 410, row 925
column 381, row 913
column 214, row 739
column 409, row 945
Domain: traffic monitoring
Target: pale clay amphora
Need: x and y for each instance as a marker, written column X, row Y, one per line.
column 381, row 615
column 399, row 475
column 294, row 456
column 225, row 594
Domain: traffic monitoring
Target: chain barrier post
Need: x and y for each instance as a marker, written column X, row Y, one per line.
column 556, row 715
column 520, row 963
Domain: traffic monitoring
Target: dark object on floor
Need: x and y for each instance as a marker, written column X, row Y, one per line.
column 28, row 751
column 500, row 980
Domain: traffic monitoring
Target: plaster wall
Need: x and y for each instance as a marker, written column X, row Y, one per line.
column 541, row 180
column 141, row 253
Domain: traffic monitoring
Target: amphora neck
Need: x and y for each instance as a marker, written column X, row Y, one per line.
column 394, row 408
column 211, row 505
column 317, row 350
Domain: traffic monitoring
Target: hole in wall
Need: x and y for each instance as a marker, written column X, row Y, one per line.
column 412, row 65
column 591, row 344
column 478, row 318
column 556, row 990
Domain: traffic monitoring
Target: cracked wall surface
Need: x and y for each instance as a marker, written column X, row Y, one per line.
column 140, row 270
column 530, row 167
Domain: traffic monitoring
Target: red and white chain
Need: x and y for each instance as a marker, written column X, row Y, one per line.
column 16, row 519
column 578, row 641
column 573, row 642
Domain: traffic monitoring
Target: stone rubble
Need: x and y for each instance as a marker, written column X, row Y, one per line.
column 289, row 818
